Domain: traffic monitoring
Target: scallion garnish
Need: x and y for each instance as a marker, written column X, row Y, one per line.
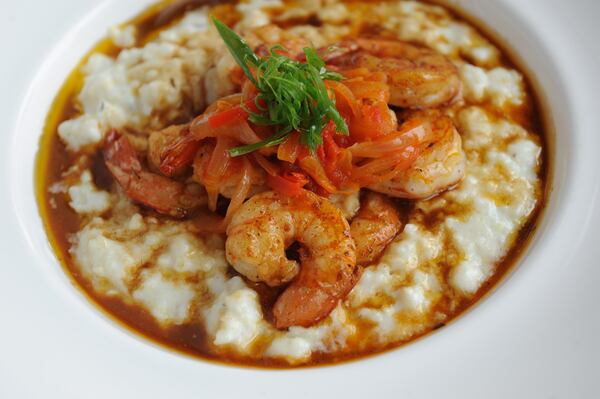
column 291, row 94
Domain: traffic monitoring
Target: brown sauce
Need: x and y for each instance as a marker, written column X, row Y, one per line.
column 61, row 221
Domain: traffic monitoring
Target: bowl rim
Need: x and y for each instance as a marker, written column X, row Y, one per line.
column 567, row 213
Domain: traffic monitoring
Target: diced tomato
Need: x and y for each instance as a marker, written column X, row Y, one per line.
column 330, row 147
column 329, row 154
column 322, row 166
column 287, row 183
column 375, row 120
column 328, row 151
column 328, row 132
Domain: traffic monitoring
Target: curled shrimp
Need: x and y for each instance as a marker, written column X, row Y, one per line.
column 418, row 77
column 439, row 166
column 268, row 223
column 160, row 193
column 374, row 227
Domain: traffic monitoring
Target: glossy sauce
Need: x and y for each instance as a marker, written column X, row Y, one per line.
column 61, row 221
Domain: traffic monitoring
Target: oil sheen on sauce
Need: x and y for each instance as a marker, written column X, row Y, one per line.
column 61, row 221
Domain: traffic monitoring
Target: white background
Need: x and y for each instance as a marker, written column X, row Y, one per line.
column 536, row 337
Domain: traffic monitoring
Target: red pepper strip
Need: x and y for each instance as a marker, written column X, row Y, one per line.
column 288, row 183
column 232, row 115
column 329, row 153
column 227, row 117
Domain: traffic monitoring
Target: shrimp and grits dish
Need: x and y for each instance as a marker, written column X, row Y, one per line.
column 291, row 183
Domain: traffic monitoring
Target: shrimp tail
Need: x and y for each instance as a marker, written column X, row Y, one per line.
column 302, row 306
column 306, row 302
column 160, row 193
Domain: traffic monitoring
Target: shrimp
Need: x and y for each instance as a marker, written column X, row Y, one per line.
column 161, row 140
column 265, row 37
column 418, row 77
column 440, row 166
column 160, row 193
column 266, row 225
column 374, row 226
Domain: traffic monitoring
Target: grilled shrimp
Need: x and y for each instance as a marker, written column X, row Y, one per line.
column 160, row 193
column 374, row 226
column 266, row 225
column 418, row 77
column 439, row 167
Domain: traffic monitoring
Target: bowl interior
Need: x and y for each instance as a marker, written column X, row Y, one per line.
column 501, row 20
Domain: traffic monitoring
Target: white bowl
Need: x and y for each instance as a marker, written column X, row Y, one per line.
column 535, row 336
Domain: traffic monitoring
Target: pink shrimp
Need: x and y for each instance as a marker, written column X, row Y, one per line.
column 374, row 227
column 160, row 193
column 266, row 225
column 418, row 77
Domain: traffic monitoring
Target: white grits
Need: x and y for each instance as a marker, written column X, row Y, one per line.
column 86, row 198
